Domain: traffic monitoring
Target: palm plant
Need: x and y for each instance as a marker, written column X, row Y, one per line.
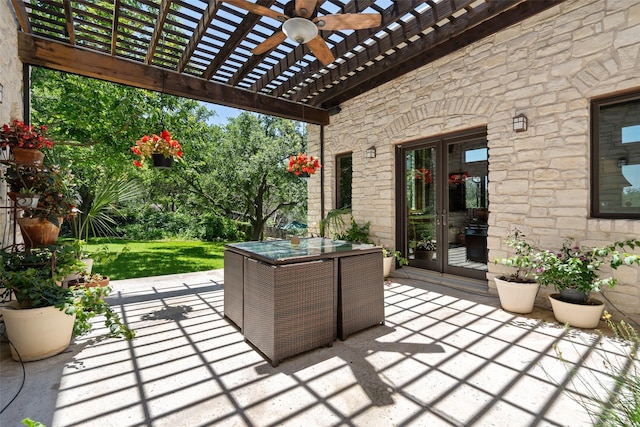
column 97, row 210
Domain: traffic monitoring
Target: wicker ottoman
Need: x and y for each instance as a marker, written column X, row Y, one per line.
column 234, row 287
column 288, row 309
column 360, row 293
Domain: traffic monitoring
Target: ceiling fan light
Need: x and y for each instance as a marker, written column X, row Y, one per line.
column 300, row 30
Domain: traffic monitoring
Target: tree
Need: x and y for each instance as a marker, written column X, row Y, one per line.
column 243, row 172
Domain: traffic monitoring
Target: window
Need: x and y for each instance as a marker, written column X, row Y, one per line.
column 344, row 164
column 615, row 130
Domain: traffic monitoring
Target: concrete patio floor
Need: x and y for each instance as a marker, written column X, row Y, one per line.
column 444, row 357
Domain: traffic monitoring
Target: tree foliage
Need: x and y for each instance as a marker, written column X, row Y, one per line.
column 237, row 170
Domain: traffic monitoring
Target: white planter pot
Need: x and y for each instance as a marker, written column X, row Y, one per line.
column 37, row 333
column 578, row 315
column 88, row 262
column 387, row 264
column 517, row 297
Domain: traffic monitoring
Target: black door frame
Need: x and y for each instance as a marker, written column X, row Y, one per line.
column 442, row 198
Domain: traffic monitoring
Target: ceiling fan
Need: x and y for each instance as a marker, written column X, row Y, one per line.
column 301, row 26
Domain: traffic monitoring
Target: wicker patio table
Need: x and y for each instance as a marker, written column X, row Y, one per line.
column 287, row 299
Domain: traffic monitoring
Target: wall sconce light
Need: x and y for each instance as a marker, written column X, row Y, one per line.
column 622, row 162
column 370, row 153
column 520, row 123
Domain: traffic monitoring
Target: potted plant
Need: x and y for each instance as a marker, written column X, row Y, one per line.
column 40, row 225
column 25, row 141
column 389, row 256
column 574, row 272
column 162, row 150
column 42, row 316
column 303, row 165
column 91, row 281
column 517, row 290
column 425, row 249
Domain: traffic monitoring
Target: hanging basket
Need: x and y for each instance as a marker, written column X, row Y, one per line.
column 39, row 231
column 27, row 155
column 161, row 162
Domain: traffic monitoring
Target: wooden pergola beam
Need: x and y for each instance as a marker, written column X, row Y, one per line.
column 39, row 51
column 157, row 31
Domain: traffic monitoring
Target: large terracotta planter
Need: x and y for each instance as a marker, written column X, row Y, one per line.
column 27, row 155
column 37, row 333
column 517, row 297
column 578, row 315
column 39, row 231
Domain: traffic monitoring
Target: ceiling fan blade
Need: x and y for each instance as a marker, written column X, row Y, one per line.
column 306, row 6
column 321, row 50
column 258, row 10
column 348, row 21
column 269, row 43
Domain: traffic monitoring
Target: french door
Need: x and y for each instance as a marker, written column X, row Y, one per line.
column 444, row 205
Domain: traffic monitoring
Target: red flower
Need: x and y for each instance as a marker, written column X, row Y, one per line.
column 458, row 178
column 303, row 164
column 148, row 145
column 17, row 134
column 426, row 174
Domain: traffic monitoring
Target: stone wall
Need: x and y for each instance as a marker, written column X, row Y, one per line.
column 548, row 67
column 11, row 106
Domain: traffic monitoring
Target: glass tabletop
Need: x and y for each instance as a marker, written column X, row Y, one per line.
column 279, row 250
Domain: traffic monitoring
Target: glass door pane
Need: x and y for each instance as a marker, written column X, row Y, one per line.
column 466, row 218
column 421, row 204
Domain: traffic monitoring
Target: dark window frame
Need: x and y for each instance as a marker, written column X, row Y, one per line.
column 338, row 196
column 596, row 105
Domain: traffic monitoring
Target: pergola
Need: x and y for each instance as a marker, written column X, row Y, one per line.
column 202, row 49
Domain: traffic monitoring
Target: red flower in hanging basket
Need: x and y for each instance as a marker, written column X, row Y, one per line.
column 458, row 178
column 19, row 135
column 303, row 164
column 148, row 145
column 425, row 175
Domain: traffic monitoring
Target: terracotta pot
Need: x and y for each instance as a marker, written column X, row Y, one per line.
column 37, row 333
column 517, row 297
column 39, row 231
column 578, row 315
column 27, row 155
column 161, row 162
column 95, row 283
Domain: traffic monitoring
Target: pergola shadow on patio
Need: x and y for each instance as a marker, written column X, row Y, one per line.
column 443, row 358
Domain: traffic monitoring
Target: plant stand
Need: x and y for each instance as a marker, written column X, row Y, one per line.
column 517, row 297
column 578, row 315
column 37, row 333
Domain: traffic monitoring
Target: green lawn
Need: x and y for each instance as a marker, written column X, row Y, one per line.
column 155, row 258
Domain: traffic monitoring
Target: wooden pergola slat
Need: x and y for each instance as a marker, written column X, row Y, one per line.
column 207, row 45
